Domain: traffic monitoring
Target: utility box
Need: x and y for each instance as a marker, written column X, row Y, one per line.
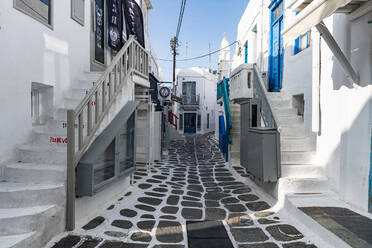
column 241, row 82
column 259, row 146
column 262, row 153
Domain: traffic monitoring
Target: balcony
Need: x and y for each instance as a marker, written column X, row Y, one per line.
column 190, row 99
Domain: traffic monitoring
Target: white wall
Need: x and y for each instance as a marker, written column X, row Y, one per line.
column 344, row 143
column 31, row 52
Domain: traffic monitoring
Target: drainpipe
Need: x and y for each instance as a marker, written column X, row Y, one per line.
column 316, row 75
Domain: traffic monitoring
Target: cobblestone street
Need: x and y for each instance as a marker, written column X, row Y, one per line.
column 190, row 200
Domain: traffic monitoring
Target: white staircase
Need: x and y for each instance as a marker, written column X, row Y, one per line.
column 32, row 190
column 234, row 147
column 300, row 173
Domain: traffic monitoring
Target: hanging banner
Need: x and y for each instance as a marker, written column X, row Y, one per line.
column 115, row 24
column 134, row 21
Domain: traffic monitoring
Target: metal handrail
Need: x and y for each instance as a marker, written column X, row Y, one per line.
column 260, row 92
column 131, row 59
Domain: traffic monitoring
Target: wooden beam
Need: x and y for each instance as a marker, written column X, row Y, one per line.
column 351, row 75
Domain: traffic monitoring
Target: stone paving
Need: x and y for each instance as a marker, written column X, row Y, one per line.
column 192, row 186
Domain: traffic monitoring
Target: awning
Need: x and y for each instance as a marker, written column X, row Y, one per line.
column 312, row 14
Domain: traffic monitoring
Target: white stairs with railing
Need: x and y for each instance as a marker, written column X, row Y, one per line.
column 300, row 171
column 32, row 190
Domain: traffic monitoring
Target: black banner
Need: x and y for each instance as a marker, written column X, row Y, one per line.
column 99, row 38
column 134, row 21
column 115, row 24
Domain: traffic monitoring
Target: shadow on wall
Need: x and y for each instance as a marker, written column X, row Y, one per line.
column 348, row 164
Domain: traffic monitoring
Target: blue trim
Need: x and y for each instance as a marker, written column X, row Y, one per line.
column 246, row 52
column 274, row 4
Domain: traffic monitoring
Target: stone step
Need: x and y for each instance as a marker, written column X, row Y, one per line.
column 19, row 195
column 306, row 185
column 34, row 173
column 50, row 139
column 86, row 83
column 285, row 111
column 297, row 157
column 16, row 241
column 234, row 154
column 78, row 93
column 293, row 132
column 280, row 103
column 70, row 102
column 290, row 120
column 41, row 154
column 301, row 170
column 91, row 75
column 24, row 220
column 296, row 145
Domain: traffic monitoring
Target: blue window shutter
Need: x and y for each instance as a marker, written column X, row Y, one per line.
column 297, row 46
column 246, row 52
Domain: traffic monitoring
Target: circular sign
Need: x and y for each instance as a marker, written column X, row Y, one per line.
column 164, row 92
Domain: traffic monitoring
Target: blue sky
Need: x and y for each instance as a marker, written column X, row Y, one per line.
column 204, row 23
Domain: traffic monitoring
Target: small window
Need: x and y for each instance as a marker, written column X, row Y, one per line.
column 40, row 10
column 207, row 121
column 302, row 42
column 78, row 11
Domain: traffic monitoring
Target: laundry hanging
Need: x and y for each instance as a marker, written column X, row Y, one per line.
column 115, row 24
column 134, row 21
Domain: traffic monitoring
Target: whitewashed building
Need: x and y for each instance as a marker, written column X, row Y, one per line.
column 197, row 88
column 315, row 58
column 59, row 74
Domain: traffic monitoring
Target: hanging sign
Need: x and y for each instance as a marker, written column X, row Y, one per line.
column 99, row 38
column 134, row 21
column 115, row 24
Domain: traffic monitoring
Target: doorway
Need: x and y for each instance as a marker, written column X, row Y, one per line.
column 98, row 36
column 190, row 123
column 276, row 47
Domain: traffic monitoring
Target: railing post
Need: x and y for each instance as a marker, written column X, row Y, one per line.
column 89, row 117
column 103, row 96
column 97, row 107
column 70, row 197
column 80, row 131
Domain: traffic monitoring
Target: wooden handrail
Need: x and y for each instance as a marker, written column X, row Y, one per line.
column 131, row 59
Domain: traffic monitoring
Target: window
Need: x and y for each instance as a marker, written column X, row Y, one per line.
column 77, row 11
column 40, row 10
column 199, row 121
column 302, row 42
column 208, row 121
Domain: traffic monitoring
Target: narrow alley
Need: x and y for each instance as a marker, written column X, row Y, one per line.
column 192, row 199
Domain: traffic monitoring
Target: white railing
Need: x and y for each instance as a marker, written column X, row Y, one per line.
column 89, row 114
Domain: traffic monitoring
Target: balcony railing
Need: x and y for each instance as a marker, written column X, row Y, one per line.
column 190, row 99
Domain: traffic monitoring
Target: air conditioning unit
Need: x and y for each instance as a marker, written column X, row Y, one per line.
column 241, row 82
column 164, row 93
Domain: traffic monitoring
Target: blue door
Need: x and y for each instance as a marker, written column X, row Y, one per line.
column 276, row 48
column 190, row 123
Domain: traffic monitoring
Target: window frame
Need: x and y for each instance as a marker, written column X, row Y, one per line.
column 74, row 17
column 23, row 8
